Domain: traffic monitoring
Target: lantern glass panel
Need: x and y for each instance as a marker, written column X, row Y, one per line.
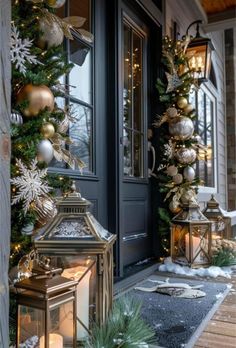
column 190, row 244
column 199, row 60
column 31, row 326
column 83, row 269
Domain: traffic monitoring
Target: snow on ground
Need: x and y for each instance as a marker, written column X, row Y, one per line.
column 212, row 271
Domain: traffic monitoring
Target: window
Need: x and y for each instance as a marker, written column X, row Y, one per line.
column 133, row 103
column 80, row 82
column 205, row 105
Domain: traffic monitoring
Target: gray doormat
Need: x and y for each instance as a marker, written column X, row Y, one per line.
column 178, row 322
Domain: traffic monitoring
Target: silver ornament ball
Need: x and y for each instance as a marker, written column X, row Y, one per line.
column 181, row 128
column 189, row 173
column 172, row 112
column 56, row 3
column 16, row 118
column 27, row 230
column 186, row 155
column 45, row 151
column 172, row 170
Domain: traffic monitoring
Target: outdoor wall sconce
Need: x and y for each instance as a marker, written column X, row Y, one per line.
column 76, row 242
column 199, row 52
column 220, row 223
column 191, row 237
column 46, row 303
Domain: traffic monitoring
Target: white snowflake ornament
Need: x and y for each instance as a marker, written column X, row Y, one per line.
column 20, row 51
column 29, row 184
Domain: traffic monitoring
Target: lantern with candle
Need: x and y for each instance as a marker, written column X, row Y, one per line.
column 77, row 242
column 40, row 300
column 220, row 222
column 191, row 237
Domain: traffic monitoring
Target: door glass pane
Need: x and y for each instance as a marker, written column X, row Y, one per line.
column 80, row 78
column 80, row 132
column 209, row 142
column 137, row 80
column 138, row 160
column 127, row 143
column 133, row 140
column 127, row 91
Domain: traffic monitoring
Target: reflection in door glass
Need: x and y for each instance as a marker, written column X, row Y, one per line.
column 133, row 140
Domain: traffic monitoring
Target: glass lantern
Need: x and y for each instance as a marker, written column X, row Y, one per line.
column 76, row 242
column 46, row 306
column 220, row 223
column 191, row 237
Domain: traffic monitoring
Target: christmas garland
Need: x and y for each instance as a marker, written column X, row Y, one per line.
column 179, row 144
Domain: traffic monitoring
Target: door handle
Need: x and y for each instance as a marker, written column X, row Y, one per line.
column 153, row 152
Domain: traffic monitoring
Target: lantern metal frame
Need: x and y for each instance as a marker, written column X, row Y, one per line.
column 220, row 223
column 206, row 45
column 46, row 291
column 192, row 223
column 85, row 237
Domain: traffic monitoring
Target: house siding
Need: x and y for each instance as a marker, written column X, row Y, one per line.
column 183, row 12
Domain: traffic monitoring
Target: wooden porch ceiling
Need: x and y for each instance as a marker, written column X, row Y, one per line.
column 221, row 14
column 216, row 6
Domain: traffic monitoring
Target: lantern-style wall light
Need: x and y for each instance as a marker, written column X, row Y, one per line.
column 199, row 52
column 191, row 237
column 220, row 223
column 45, row 304
column 76, row 242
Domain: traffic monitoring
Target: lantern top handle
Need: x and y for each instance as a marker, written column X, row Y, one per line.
column 197, row 22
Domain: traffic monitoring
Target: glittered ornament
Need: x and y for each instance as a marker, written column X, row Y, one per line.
column 188, row 108
column 52, row 34
column 172, row 112
column 45, row 209
column 181, row 128
column 56, row 3
column 185, row 155
column 189, row 173
column 172, row 170
column 16, row 118
column 178, row 179
column 173, row 82
column 38, row 97
column 174, row 208
column 182, row 102
column 45, row 151
column 47, row 130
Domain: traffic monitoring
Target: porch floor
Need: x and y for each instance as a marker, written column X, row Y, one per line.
column 221, row 329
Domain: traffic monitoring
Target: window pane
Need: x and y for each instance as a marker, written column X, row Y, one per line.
column 82, row 8
column 201, row 115
column 80, row 77
column 80, row 132
column 137, row 80
column 127, row 92
column 209, row 142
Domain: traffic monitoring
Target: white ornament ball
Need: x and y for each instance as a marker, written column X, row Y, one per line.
column 189, row 173
column 172, row 112
column 178, row 179
column 16, row 118
column 172, row 170
column 197, row 138
column 181, row 128
column 185, row 155
column 52, row 34
column 45, row 151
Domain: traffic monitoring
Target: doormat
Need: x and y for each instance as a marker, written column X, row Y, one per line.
column 178, row 322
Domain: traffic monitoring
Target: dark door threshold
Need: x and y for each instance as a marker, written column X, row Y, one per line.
column 124, row 284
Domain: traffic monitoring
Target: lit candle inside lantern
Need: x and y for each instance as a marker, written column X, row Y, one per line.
column 194, row 248
column 55, row 341
column 82, row 310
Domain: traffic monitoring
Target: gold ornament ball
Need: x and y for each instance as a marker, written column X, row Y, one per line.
column 188, row 108
column 175, row 209
column 39, row 97
column 182, row 102
column 45, row 209
column 47, row 130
